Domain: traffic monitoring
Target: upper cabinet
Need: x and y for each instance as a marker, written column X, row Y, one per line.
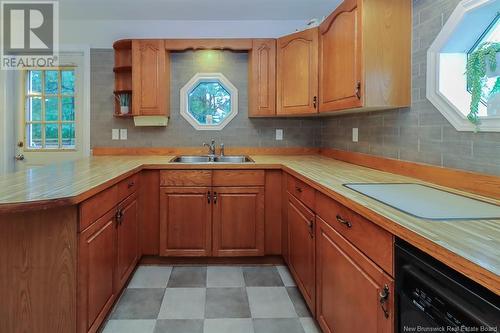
column 150, row 78
column 262, row 78
column 365, row 56
column 297, row 73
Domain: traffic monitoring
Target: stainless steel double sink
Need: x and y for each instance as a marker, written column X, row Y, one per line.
column 212, row 159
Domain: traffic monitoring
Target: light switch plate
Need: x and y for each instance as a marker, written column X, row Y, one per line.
column 355, row 134
column 123, row 134
column 279, row 134
column 115, row 134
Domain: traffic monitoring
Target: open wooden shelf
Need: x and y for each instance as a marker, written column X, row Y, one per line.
column 123, row 74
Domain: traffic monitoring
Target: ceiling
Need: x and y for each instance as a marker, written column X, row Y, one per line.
column 223, row 10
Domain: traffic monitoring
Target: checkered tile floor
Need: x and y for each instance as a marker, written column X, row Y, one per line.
column 213, row 299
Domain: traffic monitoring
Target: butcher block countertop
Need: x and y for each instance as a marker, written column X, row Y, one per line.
column 470, row 246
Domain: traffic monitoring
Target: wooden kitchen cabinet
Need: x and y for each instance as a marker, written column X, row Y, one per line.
column 301, row 248
column 238, row 221
column 297, row 73
column 353, row 294
column 127, row 240
column 150, row 78
column 96, row 287
column 185, row 221
column 365, row 56
column 262, row 78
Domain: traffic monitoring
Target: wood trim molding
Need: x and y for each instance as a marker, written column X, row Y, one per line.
column 142, row 151
column 242, row 44
column 482, row 184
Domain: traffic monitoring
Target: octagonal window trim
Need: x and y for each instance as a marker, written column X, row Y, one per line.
column 192, row 84
column 447, row 57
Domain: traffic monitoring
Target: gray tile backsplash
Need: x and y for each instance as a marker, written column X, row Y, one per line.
column 418, row 133
column 241, row 131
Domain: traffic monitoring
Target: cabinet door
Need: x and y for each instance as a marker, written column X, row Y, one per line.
column 297, row 76
column 301, row 248
column 238, row 226
column 340, row 78
column 96, row 290
column 349, row 287
column 150, row 78
column 185, row 221
column 262, row 77
column 127, row 240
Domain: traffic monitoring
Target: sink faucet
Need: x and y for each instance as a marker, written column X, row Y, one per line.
column 211, row 148
column 222, row 149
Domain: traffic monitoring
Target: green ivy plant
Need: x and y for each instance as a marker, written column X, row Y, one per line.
column 485, row 55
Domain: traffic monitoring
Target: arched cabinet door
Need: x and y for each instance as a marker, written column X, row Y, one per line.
column 297, row 73
column 150, row 78
column 262, row 78
column 340, row 59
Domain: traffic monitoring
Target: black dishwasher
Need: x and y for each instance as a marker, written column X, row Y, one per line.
column 431, row 297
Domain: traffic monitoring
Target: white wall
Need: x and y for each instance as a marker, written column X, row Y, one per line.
column 102, row 33
column 7, row 121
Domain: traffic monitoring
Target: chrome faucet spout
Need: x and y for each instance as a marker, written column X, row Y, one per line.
column 211, row 148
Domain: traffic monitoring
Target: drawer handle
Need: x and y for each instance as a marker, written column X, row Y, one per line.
column 208, row 196
column 298, row 189
column 344, row 222
column 131, row 184
column 215, row 198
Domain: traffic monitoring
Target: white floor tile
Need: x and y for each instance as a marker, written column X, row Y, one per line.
column 286, row 276
column 130, row 326
column 270, row 302
column 183, row 303
column 150, row 277
column 225, row 276
column 309, row 325
column 228, row 326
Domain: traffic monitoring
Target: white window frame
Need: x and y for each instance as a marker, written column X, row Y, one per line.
column 208, row 77
column 449, row 109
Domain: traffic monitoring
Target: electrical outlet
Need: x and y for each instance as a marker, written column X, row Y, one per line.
column 115, row 134
column 123, row 134
column 355, row 133
column 279, row 134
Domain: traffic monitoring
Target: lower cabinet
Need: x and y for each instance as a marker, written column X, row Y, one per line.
column 108, row 251
column 127, row 240
column 96, row 287
column 185, row 221
column 301, row 248
column 238, row 221
column 353, row 293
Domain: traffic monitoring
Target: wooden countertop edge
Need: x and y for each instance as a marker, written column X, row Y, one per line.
column 470, row 269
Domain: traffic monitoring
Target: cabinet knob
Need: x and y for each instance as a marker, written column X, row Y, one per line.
column 298, row 189
column 131, row 184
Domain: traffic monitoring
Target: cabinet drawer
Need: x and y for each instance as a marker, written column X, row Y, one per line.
column 238, row 178
column 128, row 186
column 373, row 241
column 186, row 178
column 301, row 191
column 95, row 207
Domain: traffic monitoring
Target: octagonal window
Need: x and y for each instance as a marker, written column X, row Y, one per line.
column 460, row 82
column 209, row 101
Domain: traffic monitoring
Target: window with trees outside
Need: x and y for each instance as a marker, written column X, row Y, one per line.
column 50, row 109
column 209, row 101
